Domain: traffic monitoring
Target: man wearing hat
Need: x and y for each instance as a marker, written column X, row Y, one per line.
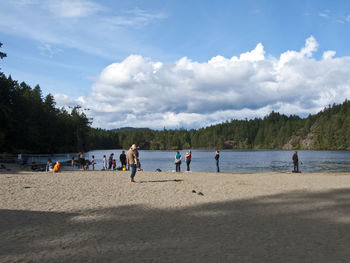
column 131, row 159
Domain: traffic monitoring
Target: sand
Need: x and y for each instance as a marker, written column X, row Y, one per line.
column 99, row 216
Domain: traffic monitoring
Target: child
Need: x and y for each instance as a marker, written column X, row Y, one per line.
column 104, row 163
column 57, row 167
column 114, row 163
column 49, row 166
column 93, row 162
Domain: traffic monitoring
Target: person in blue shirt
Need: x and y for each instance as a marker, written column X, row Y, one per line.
column 178, row 161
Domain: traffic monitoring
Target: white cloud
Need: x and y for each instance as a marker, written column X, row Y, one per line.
column 71, row 8
column 140, row 92
column 48, row 51
column 310, row 47
column 329, row 54
column 324, row 14
column 136, row 17
column 257, row 54
column 63, row 100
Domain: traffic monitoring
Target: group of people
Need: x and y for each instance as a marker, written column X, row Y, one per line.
column 107, row 164
column 130, row 161
column 111, row 163
column 50, row 167
column 188, row 158
column 82, row 163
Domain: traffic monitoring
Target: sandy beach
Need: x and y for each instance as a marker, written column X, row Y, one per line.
column 99, row 216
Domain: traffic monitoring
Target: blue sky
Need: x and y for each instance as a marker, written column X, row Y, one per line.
column 180, row 63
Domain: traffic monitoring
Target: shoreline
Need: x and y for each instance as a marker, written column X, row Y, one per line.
column 16, row 168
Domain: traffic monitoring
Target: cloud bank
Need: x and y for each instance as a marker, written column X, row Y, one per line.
column 139, row 92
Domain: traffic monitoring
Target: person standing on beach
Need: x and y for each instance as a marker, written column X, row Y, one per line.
column 81, row 156
column 122, row 159
column 104, row 163
column 131, row 160
column 295, row 162
column 178, row 161
column 81, row 160
column 93, row 162
column 137, row 154
column 110, row 161
column 217, row 156
column 188, row 158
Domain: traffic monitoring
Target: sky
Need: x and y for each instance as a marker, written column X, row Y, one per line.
column 180, row 64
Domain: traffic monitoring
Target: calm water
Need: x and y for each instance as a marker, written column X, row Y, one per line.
column 240, row 161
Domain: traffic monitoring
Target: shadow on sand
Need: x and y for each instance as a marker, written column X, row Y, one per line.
column 160, row 181
column 289, row 227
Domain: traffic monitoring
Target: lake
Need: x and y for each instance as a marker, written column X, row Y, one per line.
column 238, row 161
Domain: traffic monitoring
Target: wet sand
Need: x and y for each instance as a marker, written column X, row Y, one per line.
column 99, row 216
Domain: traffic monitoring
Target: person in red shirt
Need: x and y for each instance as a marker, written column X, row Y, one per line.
column 188, row 157
column 114, row 163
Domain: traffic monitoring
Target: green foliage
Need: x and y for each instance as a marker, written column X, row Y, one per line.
column 31, row 123
column 331, row 127
column 328, row 129
column 2, row 55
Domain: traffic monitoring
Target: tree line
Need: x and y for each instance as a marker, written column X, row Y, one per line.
column 32, row 123
column 327, row 130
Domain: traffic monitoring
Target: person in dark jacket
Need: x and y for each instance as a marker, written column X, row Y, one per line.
column 217, row 156
column 110, row 161
column 122, row 159
column 295, row 162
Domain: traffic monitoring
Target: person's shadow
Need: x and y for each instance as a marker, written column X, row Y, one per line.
column 160, row 181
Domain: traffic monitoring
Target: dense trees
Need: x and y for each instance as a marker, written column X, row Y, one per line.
column 329, row 129
column 30, row 123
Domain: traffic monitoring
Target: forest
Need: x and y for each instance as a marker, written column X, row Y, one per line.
column 31, row 123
